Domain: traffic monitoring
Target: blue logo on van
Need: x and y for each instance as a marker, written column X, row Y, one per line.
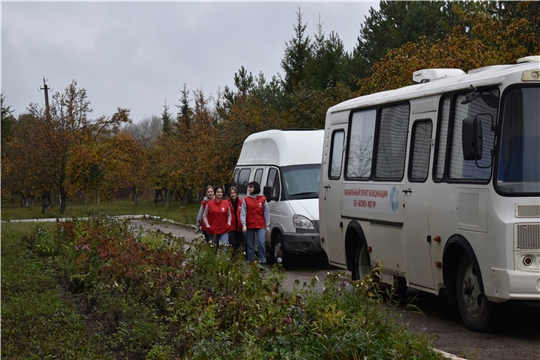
column 394, row 199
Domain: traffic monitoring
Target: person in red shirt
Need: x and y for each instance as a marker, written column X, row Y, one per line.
column 255, row 218
column 236, row 236
column 217, row 218
column 209, row 196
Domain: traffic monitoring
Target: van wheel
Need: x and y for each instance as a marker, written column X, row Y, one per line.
column 362, row 263
column 277, row 251
column 478, row 313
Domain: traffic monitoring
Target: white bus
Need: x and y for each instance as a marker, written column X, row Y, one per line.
column 440, row 182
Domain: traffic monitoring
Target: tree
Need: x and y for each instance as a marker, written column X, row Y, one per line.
column 297, row 53
column 397, row 23
column 8, row 121
column 485, row 43
column 146, row 131
column 65, row 126
column 185, row 111
column 328, row 63
column 166, row 118
column 21, row 173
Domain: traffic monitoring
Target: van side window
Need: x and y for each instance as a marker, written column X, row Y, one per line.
column 361, row 135
column 234, row 181
column 243, row 179
column 392, row 144
column 258, row 175
column 273, row 181
column 420, row 151
column 336, row 155
column 484, row 109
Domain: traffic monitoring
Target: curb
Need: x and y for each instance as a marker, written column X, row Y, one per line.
column 448, row 355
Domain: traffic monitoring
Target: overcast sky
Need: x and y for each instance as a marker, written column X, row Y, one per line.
column 137, row 55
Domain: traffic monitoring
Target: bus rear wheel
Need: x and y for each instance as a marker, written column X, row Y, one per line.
column 478, row 313
column 362, row 263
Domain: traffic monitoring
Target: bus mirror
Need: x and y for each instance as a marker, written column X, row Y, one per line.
column 267, row 192
column 471, row 136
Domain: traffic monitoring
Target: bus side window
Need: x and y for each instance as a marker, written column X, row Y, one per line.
column 392, row 142
column 442, row 140
column 336, row 155
column 420, row 151
column 461, row 169
column 361, row 135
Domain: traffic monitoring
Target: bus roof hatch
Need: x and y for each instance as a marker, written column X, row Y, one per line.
column 426, row 75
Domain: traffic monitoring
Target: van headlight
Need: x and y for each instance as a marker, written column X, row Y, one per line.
column 302, row 222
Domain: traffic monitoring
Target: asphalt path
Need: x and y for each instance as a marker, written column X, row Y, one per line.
column 517, row 338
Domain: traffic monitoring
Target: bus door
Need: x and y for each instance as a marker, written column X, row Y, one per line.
column 330, row 198
column 416, row 197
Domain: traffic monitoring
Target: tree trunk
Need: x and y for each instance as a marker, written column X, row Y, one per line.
column 62, row 200
column 168, row 197
column 158, row 194
column 45, row 201
column 138, row 197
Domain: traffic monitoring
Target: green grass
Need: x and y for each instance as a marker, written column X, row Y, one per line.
column 35, row 316
column 184, row 214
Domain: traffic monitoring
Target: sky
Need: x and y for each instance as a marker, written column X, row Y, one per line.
column 139, row 55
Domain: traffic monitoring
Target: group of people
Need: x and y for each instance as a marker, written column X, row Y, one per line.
column 229, row 221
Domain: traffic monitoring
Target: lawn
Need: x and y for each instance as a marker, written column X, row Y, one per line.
column 184, row 214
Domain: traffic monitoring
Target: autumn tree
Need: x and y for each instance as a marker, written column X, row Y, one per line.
column 62, row 129
column 8, row 120
column 21, row 171
column 486, row 42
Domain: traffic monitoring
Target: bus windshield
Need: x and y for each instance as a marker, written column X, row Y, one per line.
column 302, row 181
column 519, row 154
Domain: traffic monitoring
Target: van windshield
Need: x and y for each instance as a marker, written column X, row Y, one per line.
column 302, row 181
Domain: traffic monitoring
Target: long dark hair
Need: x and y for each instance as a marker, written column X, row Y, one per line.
column 256, row 187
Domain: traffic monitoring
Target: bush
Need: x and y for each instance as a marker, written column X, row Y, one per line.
column 150, row 295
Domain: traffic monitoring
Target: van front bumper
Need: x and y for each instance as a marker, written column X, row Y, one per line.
column 302, row 243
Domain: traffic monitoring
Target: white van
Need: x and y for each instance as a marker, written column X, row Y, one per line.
column 286, row 163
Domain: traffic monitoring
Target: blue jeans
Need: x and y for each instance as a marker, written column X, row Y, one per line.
column 221, row 239
column 250, row 235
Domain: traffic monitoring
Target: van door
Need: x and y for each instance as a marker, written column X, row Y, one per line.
column 330, row 206
column 416, row 190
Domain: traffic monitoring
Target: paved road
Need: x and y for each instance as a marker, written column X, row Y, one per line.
column 519, row 337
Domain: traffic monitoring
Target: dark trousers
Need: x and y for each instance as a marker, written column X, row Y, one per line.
column 207, row 236
column 236, row 239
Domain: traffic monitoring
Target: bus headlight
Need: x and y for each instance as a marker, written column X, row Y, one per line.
column 302, row 222
column 528, row 260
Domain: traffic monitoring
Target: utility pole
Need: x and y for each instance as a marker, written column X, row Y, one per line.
column 46, row 198
column 46, row 89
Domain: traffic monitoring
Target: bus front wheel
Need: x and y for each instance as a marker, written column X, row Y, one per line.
column 362, row 263
column 478, row 313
